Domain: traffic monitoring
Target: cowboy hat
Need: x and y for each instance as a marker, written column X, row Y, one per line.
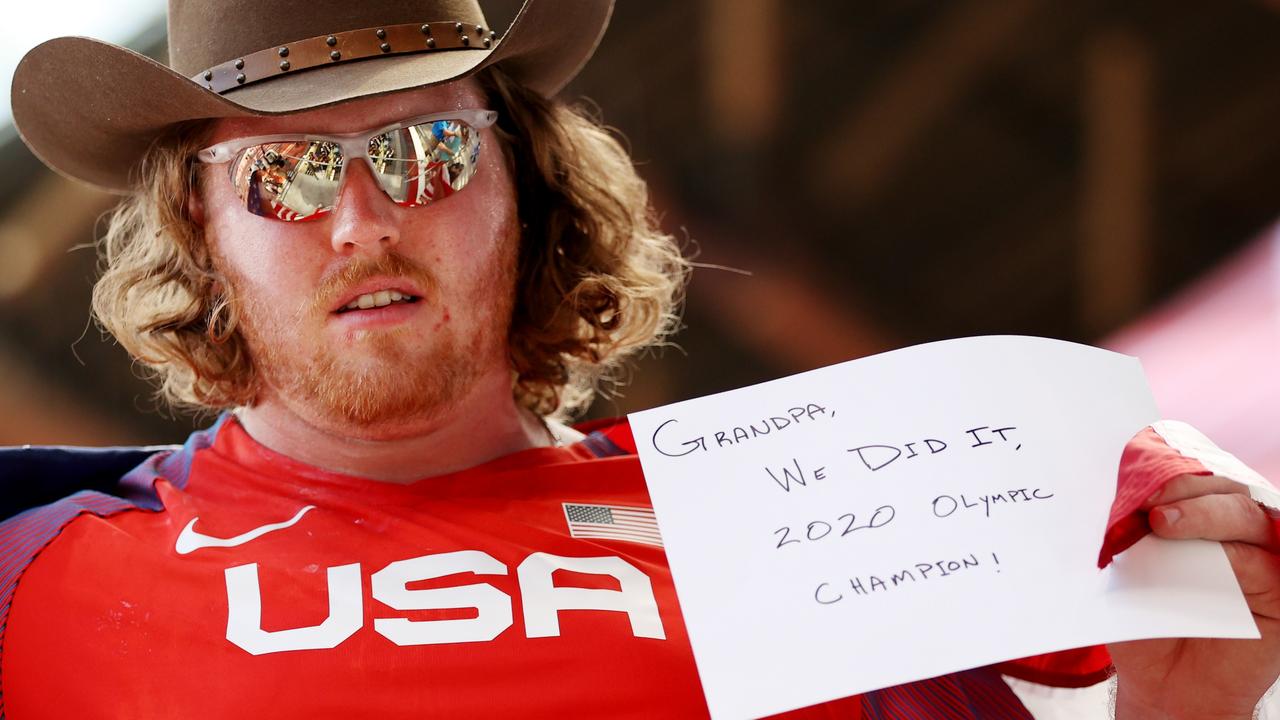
column 90, row 109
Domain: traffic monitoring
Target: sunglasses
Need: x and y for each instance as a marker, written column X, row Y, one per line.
column 297, row 177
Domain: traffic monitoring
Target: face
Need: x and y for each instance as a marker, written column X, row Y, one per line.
column 449, row 268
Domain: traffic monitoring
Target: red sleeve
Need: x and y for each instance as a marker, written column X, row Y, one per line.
column 1147, row 464
column 1076, row 668
column 1151, row 459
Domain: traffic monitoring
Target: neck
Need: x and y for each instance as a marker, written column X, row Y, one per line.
column 483, row 425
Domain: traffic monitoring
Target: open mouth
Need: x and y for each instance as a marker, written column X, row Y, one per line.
column 380, row 299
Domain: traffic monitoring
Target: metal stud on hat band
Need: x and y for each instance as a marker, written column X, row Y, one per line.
column 342, row 47
column 91, row 109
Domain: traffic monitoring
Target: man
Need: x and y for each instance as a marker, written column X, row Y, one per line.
column 379, row 525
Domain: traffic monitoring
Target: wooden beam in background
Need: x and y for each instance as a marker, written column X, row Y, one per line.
column 1225, row 141
column 1116, row 194
column 867, row 151
column 772, row 305
column 780, row 313
column 742, row 43
column 53, row 216
column 35, row 411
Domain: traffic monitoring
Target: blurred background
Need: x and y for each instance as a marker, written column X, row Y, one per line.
column 878, row 174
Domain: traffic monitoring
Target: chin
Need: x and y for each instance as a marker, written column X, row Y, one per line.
column 391, row 392
column 380, row 429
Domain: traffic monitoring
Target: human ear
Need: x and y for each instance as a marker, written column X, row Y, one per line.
column 195, row 207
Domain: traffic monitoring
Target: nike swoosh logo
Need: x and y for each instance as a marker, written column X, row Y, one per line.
column 190, row 540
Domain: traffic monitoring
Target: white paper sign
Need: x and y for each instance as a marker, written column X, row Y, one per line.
column 913, row 514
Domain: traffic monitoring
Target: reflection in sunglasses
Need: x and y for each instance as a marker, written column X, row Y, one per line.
column 300, row 180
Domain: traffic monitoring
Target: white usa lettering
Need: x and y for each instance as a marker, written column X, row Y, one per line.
column 542, row 601
column 492, row 605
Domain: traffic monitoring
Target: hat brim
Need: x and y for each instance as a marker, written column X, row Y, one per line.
column 90, row 109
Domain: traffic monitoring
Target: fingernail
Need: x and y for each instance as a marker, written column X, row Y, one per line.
column 1155, row 495
column 1170, row 515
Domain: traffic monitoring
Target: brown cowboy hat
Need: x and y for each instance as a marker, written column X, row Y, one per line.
column 90, row 109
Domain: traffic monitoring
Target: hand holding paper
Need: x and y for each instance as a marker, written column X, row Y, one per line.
column 1205, row 493
column 912, row 514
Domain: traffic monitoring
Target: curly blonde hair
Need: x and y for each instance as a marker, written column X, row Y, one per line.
column 597, row 279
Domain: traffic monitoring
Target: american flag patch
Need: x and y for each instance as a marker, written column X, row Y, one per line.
column 612, row 522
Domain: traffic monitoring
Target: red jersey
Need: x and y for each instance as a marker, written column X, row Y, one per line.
column 223, row 578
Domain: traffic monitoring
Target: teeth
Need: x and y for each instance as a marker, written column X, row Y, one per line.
column 381, row 298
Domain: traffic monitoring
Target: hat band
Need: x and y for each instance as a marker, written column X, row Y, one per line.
column 343, row 47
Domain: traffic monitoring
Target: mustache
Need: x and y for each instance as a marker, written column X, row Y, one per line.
column 338, row 281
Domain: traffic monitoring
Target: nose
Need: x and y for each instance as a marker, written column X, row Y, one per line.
column 365, row 219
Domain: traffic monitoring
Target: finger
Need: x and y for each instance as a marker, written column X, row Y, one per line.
column 1188, row 486
column 1224, row 517
column 1258, row 572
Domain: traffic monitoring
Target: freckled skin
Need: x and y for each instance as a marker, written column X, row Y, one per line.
column 455, row 337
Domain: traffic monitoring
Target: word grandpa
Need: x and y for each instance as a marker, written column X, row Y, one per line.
column 667, row 440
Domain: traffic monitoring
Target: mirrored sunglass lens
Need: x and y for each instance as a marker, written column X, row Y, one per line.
column 291, row 181
column 424, row 163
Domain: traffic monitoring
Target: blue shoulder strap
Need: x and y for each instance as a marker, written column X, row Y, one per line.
column 32, row 476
